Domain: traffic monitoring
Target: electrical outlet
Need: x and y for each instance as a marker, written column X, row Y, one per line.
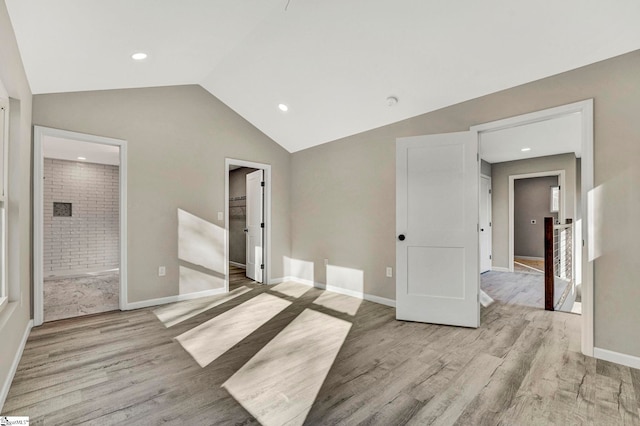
column 162, row 271
column 326, row 262
column 389, row 271
column 220, row 216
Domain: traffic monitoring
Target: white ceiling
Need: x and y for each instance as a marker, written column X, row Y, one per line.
column 332, row 62
column 557, row 136
column 69, row 149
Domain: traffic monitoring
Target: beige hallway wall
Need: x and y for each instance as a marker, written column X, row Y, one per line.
column 178, row 138
column 500, row 196
column 343, row 192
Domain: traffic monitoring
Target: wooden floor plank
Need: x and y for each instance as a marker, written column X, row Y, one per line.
column 522, row 366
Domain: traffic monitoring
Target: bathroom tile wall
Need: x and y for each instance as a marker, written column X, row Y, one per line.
column 88, row 240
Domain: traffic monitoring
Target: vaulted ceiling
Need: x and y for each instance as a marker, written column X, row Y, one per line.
column 333, row 63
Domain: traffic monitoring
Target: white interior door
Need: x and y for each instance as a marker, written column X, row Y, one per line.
column 485, row 224
column 255, row 225
column 437, row 229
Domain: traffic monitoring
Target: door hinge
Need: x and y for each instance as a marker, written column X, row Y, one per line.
column 489, row 224
column 262, row 225
column 262, row 266
column 478, row 228
column 489, row 257
column 489, row 190
column 262, row 183
column 478, row 156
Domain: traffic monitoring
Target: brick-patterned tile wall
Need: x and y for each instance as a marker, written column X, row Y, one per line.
column 87, row 241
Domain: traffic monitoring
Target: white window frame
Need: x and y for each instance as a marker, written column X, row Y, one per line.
column 4, row 146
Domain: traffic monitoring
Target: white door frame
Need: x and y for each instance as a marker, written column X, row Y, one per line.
column 561, row 213
column 39, row 132
column 585, row 108
column 266, row 243
column 483, row 176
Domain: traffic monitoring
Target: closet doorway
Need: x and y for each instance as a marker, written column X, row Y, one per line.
column 247, row 224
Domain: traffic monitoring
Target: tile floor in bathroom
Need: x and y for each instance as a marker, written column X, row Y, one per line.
column 68, row 297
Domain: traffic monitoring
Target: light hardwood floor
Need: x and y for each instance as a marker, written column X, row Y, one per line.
column 528, row 266
column 522, row 366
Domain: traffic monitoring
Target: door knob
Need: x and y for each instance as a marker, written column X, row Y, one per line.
column 246, row 229
column 482, row 229
column 401, row 237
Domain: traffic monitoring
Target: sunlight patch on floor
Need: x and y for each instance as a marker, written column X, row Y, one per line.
column 213, row 338
column 280, row 383
column 339, row 302
column 173, row 314
column 291, row 288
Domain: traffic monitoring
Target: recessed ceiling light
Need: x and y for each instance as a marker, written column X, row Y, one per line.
column 525, row 149
column 392, row 100
column 283, row 107
column 139, row 56
column 81, row 158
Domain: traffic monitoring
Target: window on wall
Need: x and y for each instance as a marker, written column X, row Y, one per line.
column 4, row 136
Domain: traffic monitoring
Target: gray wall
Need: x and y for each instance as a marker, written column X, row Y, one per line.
column 88, row 240
column 238, row 214
column 531, row 201
column 15, row 317
column 178, row 138
column 343, row 192
column 500, row 192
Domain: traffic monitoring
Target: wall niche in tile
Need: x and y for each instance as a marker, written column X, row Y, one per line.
column 61, row 209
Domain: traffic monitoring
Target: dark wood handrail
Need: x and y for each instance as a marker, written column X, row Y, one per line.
column 548, row 264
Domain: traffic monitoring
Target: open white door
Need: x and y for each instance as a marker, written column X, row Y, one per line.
column 255, row 225
column 485, row 224
column 437, row 229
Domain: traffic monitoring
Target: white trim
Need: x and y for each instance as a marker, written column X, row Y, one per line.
column 358, row 295
column 302, row 281
column 4, row 201
column 617, row 357
column 38, row 211
column 380, row 300
column 499, row 269
column 585, row 108
column 172, row 299
column 266, row 277
column 531, row 257
column 14, row 365
column 561, row 213
column 490, row 201
column 238, row 265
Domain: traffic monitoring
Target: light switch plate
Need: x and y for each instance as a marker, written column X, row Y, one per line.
column 220, row 216
column 389, row 271
column 162, row 271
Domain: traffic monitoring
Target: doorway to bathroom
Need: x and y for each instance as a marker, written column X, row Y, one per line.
column 79, row 227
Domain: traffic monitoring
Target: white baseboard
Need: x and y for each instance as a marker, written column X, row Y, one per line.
column 500, row 269
column 380, row 300
column 617, row 357
column 171, row 299
column 281, row 280
column 238, row 265
column 300, row 281
column 14, row 365
column 358, row 295
column 528, row 257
